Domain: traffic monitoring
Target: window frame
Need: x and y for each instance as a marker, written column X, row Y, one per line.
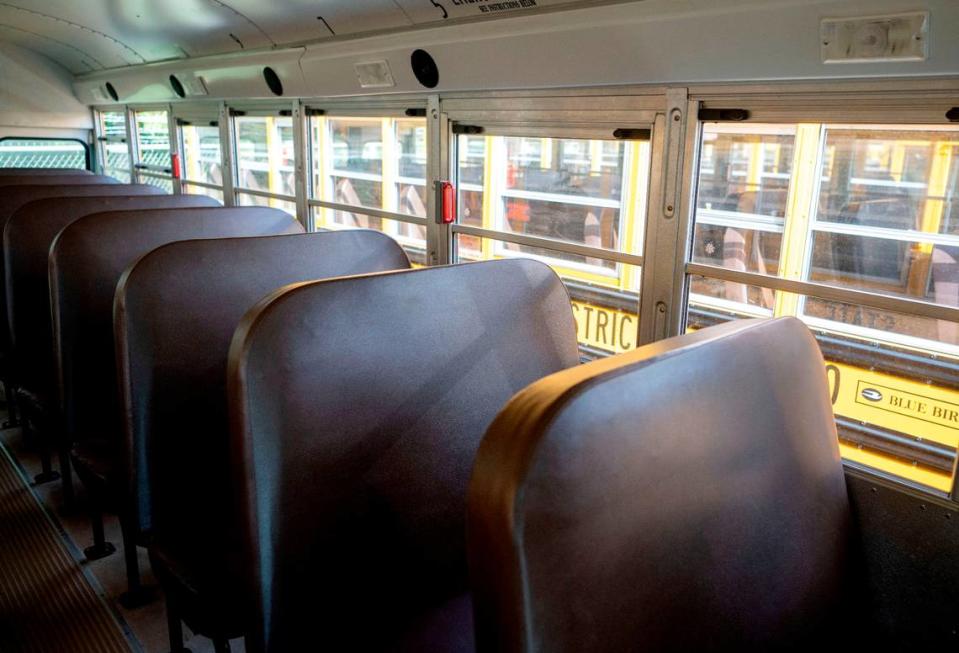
column 276, row 200
column 185, row 181
column 581, row 114
column 320, row 174
column 146, row 171
column 635, row 174
column 102, row 139
column 87, row 158
column 910, row 236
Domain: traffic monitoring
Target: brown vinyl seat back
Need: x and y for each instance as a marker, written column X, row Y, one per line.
column 357, row 405
column 40, row 178
column 26, row 245
column 43, row 172
column 13, row 198
column 180, row 476
column 86, row 261
column 687, row 496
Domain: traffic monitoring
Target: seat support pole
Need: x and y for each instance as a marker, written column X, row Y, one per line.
column 174, row 627
column 101, row 548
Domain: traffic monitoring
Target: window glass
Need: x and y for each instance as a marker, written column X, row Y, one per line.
column 116, row 153
column 113, row 124
column 371, row 163
column 357, row 145
column 410, row 184
column 885, row 222
column 265, row 153
column 730, row 295
column 201, row 154
column 160, row 182
column 745, row 170
column 42, row 153
column 153, row 138
column 411, row 147
column 203, row 190
column 575, row 191
column 901, row 179
column 863, row 208
column 744, row 175
column 471, row 164
column 245, row 199
column 564, row 189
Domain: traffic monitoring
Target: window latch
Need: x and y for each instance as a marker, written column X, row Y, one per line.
column 723, row 115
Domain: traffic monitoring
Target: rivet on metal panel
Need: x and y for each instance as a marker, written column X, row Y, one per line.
column 661, row 326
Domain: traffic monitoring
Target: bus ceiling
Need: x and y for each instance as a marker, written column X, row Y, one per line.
column 193, row 50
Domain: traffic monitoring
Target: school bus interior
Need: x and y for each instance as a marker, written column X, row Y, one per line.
column 479, row 325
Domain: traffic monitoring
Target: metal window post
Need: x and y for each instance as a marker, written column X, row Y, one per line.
column 667, row 228
column 175, row 149
column 133, row 146
column 438, row 235
column 100, row 151
column 301, row 166
column 227, row 169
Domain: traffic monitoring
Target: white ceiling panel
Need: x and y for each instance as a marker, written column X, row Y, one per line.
column 100, row 51
column 298, row 21
column 88, row 35
column 428, row 11
column 66, row 54
column 126, row 32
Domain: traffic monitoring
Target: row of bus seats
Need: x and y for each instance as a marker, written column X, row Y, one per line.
column 315, row 454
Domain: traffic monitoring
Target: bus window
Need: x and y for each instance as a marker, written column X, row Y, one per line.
column 573, row 203
column 471, row 166
column 153, row 148
column 202, row 167
column 265, row 162
column 858, row 208
column 371, row 163
column 741, row 206
column 607, row 320
column 115, row 153
column 410, row 184
column 733, row 299
column 887, row 221
column 42, row 153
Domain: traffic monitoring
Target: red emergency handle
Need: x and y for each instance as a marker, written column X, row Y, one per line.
column 449, row 202
column 175, row 165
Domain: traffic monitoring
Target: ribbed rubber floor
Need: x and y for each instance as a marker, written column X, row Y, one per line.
column 46, row 603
